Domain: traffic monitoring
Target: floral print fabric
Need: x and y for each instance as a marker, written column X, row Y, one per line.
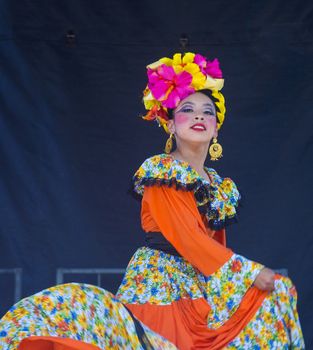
column 158, row 278
column 276, row 325
column 217, row 199
column 77, row 311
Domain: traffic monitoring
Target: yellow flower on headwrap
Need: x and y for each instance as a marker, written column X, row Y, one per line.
column 149, row 100
column 198, row 79
column 213, row 84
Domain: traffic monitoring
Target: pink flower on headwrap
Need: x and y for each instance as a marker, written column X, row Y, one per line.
column 211, row 68
column 169, row 87
column 201, row 62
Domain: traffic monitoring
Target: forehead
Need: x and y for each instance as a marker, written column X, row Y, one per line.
column 197, row 99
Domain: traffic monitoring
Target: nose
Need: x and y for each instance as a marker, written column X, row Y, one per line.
column 199, row 117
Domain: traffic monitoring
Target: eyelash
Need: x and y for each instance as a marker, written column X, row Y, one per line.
column 187, row 110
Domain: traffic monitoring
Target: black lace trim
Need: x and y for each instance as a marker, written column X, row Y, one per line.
column 152, row 181
column 216, row 224
column 200, row 190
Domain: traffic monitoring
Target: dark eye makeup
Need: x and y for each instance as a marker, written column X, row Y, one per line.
column 190, row 110
column 186, row 110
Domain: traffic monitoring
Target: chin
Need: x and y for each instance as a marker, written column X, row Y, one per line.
column 198, row 139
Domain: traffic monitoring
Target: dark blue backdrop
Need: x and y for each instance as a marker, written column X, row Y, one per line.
column 71, row 136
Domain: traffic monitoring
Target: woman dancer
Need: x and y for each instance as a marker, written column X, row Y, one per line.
column 185, row 285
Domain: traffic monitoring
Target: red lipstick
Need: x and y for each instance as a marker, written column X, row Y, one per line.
column 198, row 127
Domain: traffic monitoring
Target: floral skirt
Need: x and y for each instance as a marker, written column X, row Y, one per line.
column 220, row 311
column 175, row 303
column 75, row 316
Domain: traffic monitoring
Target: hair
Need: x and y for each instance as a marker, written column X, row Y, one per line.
column 206, row 92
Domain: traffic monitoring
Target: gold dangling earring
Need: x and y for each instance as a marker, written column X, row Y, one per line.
column 215, row 150
column 169, row 144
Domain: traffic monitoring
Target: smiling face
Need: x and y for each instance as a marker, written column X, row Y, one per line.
column 194, row 119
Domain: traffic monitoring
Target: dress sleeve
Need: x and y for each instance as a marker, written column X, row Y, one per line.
column 175, row 214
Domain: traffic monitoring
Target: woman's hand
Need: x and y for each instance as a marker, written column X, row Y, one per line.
column 265, row 280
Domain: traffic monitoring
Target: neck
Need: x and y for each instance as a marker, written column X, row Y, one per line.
column 195, row 155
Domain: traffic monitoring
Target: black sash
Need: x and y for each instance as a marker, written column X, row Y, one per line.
column 155, row 240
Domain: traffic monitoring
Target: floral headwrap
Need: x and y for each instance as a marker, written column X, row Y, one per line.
column 172, row 80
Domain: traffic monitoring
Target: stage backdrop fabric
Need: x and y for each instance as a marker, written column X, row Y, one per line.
column 71, row 135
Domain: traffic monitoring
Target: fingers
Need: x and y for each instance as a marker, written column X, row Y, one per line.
column 265, row 280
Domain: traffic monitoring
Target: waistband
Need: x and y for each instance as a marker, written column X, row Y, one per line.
column 155, row 240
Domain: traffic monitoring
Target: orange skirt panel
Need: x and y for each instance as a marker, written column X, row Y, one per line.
column 184, row 322
column 54, row 343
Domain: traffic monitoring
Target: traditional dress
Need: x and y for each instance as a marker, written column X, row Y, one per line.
column 202, row 296
column 185, row 287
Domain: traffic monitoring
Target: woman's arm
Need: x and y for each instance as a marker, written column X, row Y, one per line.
column 176, row 214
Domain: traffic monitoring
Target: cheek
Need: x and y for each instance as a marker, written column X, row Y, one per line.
column 181, row 118
column 212, row 122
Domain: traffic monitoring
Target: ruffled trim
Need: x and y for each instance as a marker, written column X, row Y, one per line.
column 216, row 224
column 172, row 182
column 217, row 200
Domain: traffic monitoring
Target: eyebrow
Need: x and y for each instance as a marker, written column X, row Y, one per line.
column 191, row 103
